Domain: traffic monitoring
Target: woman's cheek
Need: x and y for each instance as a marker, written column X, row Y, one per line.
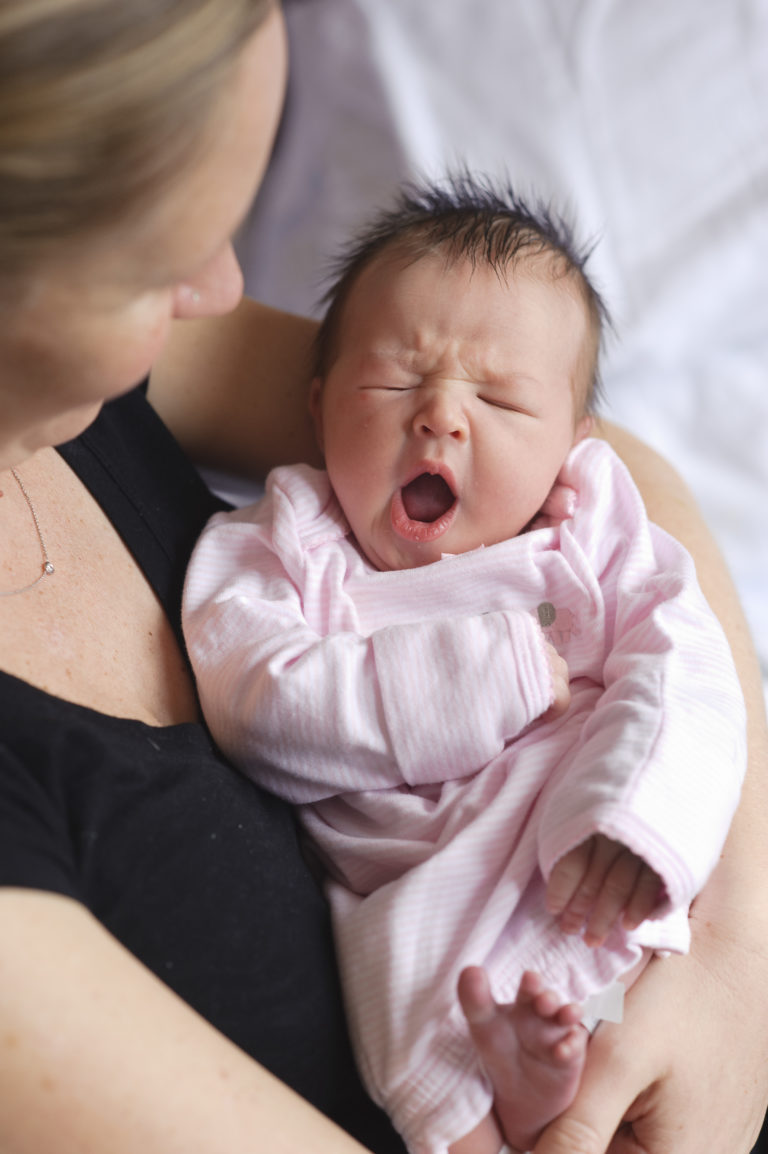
column 143, row 340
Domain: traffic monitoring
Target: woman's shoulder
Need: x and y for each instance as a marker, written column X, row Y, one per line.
column 147, row 487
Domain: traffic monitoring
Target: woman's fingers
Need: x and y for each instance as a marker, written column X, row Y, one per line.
column 607, row 1090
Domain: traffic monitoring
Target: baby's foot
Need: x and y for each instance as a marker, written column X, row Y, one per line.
column 533, row 1051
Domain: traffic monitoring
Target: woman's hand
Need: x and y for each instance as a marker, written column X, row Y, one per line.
column 687, row 1071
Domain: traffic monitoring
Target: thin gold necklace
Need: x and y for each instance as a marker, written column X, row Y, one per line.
column 47, row 567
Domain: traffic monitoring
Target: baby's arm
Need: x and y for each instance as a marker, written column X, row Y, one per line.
column 680, row 1072
column 659, row 763
column 287, row 678
column 602, row 885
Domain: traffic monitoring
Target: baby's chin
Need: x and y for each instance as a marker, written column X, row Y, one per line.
column 390, row 556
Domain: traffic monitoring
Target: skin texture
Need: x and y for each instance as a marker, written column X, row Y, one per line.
column 533, row 1051
column 449, row 370
column 601, row 884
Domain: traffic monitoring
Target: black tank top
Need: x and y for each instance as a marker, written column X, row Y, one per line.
column 193, row 868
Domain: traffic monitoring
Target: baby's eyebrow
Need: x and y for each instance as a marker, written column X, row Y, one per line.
column 508, row 381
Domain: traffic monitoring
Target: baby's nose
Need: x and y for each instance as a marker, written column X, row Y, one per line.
column 440, row 414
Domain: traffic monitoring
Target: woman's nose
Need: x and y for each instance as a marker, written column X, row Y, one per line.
column 440, row 413
column 216, row 289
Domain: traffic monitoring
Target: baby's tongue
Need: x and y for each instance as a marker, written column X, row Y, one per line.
column 427, row 497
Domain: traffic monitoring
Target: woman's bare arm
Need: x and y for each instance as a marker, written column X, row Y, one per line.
column 234, row 389
column 96, row 1054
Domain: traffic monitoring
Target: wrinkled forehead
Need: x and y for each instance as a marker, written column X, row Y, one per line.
column 406, row 273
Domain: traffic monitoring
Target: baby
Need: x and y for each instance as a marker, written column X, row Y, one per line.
column 508, row 832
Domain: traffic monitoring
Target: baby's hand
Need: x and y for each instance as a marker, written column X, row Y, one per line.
column 560, row 683
column 600, row 885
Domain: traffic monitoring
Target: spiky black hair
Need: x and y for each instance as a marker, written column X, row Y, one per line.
column 470, row 218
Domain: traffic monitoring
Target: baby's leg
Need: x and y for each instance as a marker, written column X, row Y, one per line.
column 533, row 1051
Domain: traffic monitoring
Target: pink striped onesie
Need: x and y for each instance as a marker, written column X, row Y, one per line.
column 402, row 712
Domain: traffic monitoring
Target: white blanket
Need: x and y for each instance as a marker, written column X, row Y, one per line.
column 648, row 120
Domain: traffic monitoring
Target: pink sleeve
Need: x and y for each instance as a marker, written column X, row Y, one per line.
column 314, row 715
column 660, row 762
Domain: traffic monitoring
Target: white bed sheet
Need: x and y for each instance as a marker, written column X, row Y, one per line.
column 648, row 121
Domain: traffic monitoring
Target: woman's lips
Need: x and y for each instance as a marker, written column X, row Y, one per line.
column 425, row 506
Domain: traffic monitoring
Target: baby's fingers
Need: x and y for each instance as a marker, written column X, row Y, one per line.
column 561, row 690
column 648, row 892
column 600, row 854
column 616, row 892
column 566, row 877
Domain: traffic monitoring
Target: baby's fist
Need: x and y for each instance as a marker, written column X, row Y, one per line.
column 601, row 885
column 560, row 682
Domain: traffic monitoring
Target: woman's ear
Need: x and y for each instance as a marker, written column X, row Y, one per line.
column 584, row 428
column 316, row 408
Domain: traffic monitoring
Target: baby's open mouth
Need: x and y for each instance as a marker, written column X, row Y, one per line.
column 427, row 497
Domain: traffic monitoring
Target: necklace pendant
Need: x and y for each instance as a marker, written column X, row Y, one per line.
column 46, row 568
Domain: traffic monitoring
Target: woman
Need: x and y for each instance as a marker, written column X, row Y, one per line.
column 165, row 956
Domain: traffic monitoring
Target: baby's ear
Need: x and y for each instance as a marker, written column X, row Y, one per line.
column 584, row 428
column 316, row 408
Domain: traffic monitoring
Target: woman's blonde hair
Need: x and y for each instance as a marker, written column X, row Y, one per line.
column 102, row 102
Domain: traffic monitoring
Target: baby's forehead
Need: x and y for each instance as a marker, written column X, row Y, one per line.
column 544, row 268
column 543, row 277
